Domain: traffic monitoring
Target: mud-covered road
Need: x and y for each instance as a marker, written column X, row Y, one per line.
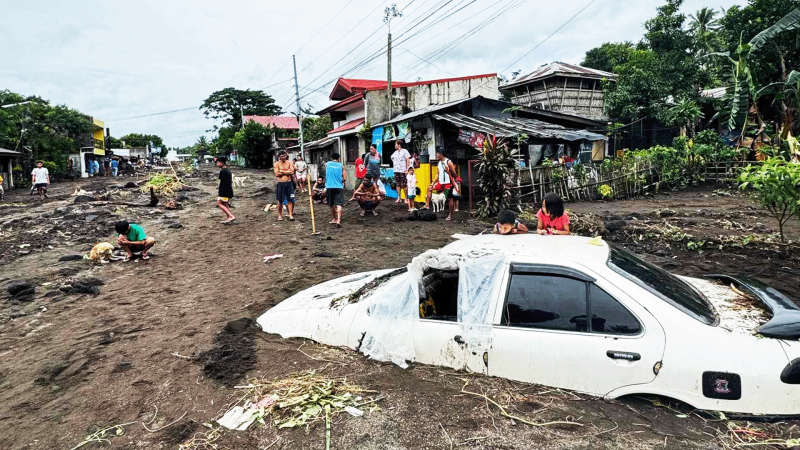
column 73, row 361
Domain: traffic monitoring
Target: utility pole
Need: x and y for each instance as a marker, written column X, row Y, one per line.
column 388, row 14
column 299, row 112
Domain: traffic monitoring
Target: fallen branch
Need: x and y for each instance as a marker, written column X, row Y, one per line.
column 98, row 436
column 181, row 356
column 519, row 419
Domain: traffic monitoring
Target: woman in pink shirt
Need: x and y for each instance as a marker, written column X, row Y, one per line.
column 552, row 218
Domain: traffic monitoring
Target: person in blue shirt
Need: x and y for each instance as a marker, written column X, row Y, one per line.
column 114, row 167
column 335, row 178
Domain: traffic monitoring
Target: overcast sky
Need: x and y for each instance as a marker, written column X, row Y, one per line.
column 116, row 60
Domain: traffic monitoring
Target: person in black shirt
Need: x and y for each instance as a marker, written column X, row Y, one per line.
column 225, row 192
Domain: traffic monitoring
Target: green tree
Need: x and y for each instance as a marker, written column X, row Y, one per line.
column 316, row 128
column 117, row 143
column 229, row 103
column 142, row 140
column 776, row 185
column 254, row 144
column 705, row 26
column 661, row 66
column 685, row 114
column 608, row 56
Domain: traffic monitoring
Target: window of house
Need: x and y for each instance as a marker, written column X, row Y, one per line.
column 555, row 302
column 609, row 316
column 439, row 298
column 546, row 301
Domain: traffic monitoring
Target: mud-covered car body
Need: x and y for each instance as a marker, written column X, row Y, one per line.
column 650, row 332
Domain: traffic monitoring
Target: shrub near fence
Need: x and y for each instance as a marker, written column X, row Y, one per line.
column 685, row 163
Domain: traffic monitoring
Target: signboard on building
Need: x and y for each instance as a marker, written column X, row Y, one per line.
column 473, row 138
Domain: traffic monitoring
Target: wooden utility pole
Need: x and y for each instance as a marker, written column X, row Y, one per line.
column 388, row 14
column 302, row 148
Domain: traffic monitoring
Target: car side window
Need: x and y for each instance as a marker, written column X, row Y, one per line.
column 546, row 301
column 609, row 316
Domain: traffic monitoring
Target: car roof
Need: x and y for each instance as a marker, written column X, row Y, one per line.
column 570, row 248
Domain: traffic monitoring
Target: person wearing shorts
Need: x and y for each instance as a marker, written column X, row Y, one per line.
column 361, row 171
column 401, row 160
column 40, row 179
column 335, row 179
column 133, row 239
column 301, row 172
column 284, row 191
column 412, row 188
column 225, row 191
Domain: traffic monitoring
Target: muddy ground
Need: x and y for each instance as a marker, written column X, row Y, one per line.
column 159, row 333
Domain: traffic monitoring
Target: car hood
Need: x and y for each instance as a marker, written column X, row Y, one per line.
column 323, row 312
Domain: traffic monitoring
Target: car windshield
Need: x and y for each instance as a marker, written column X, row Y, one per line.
column 663, row 284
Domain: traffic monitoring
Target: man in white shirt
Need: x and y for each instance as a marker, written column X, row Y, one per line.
column 401, row 159
column 40, row 179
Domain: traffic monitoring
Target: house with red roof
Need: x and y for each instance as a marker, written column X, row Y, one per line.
column 290, row 126
column 359, row 103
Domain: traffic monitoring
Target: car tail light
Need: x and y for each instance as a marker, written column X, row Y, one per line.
column 791, row 374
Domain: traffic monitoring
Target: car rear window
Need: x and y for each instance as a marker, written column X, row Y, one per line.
column 663, row 284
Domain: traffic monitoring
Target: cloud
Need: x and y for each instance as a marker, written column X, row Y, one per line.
column 115, row 60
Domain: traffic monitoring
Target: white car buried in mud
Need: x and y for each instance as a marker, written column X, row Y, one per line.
column 567, row 312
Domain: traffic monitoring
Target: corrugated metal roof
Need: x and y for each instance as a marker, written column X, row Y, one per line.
column 351, row 86
column 324, row 142
column 423, row 111
column 562, row 69
column 513, row 126
column 7, row 152
column 282, row 122
column 714, row 93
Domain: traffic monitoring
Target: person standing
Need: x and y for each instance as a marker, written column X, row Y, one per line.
column 401, row 160
column 373, row 162
column 301, row 172
column 284, row 170
column 40, row 179
column 411, row 178
column 225, row 191
column 107, row 167
column 96, row 167
column 361, row 171
column 114, row 167
column 335, row 178
column 445, row 182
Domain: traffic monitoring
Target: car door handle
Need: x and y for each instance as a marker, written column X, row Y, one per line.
column 627, row 356
column 458, row 339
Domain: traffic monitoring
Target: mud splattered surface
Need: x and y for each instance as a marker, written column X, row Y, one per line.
column 158, row 333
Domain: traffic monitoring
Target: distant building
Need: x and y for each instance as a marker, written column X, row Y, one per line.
column 288, row 124
column 562, row 87
column 92, row 145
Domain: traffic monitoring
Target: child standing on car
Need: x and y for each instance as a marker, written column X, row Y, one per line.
column 411, row 193
column 552, row 218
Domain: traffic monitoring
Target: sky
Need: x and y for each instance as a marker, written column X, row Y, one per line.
column 117, row 61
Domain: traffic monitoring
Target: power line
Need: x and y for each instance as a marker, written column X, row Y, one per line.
column 550, row 35
column 152, row 114
column 323, row 27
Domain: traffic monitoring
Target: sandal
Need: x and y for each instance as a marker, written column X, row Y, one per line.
column 362, row 213
column 449, row 219
column 291, row 219
column 126, row 259
column 280, row 219
column 145, row 257
column 374, row 213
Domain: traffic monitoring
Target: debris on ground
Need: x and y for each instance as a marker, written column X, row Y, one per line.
column 102, row 435
column 167, row 185
column 300, row 400
column 269, row 258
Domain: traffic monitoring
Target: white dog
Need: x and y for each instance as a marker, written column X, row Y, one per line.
column 239, row 181
column 438, row 201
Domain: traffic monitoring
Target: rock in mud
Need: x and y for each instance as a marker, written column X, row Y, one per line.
column 70, row 258
column 130, row 184
column 324, row 255
column 84, row 199
column 122, row 366
column 616, row 225
column 91, row 218
column 91, row 281
column 19, row 287
column 79, row 288
column 175, row 225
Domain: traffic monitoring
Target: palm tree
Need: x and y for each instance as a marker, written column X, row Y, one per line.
column 685, row 114
column 705, row 26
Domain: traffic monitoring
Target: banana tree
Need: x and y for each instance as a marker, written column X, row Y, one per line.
column 742, row 89
column 685, row 115
column 789, row 97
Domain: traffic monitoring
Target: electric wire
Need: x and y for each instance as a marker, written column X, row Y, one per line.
column 550, row 35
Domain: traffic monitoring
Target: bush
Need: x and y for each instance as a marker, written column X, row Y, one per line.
column 605, row 192
column 776, row 185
